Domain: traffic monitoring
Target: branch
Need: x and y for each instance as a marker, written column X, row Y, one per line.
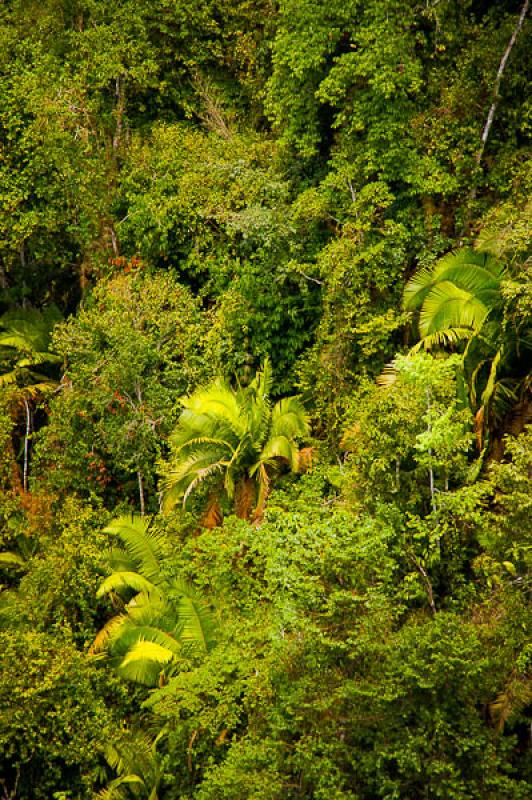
column 500, row 71
column 309, row 277
column 426, row 580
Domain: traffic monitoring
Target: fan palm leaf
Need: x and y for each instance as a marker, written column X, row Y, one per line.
column 460, row 302
column 470, row 270
column 449, row 306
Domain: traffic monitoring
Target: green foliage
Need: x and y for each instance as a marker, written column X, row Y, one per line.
column 62, row 569
column 320, row 686
column 217, row 209
column 410, row 436
column 201, row 188
column 52, row 716
column 161, row 623
column 236, row 442
column 130, row 354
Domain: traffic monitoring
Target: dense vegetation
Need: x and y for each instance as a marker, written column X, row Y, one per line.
column 265, row 394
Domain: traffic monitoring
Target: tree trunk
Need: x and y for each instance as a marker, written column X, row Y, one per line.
column 431, row 471
column 26, row 444
column 141, row 493
column 495, row 93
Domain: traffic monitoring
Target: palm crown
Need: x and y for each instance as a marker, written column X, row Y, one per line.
column 235, row 439
column 461, row 300
column 25, row 344
column 455, row 296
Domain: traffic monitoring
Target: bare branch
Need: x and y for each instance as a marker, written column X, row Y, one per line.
column 496, row 86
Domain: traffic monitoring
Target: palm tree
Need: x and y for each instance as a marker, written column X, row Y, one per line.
column 162, row 622
column 235, row 441
column 137, row 766
column 454, row 297
column 24, row 348
column 461, row 304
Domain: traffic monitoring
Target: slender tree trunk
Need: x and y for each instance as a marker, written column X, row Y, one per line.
column 26, row 444
column 141, row 493
column 495, row 95
column 16, row 482
column 120, row 94
column 22, row 254
column 431, row 471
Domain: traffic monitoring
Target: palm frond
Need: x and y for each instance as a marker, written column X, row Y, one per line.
column 125, row 580
column 201, row 476
column 144, row 662
column 217, row 402
column 289, row 418
column 224, row 431
column 109, row 632
column 449, row 306
column 141, row 541
column 450, row 337
column 119, row 560
column 11, row 560
column 468, row 269
column 283, row 448
column 197, row 625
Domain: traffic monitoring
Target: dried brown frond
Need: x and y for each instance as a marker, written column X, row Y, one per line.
column 244, row 498
column 305, row 459
column 213, row 516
